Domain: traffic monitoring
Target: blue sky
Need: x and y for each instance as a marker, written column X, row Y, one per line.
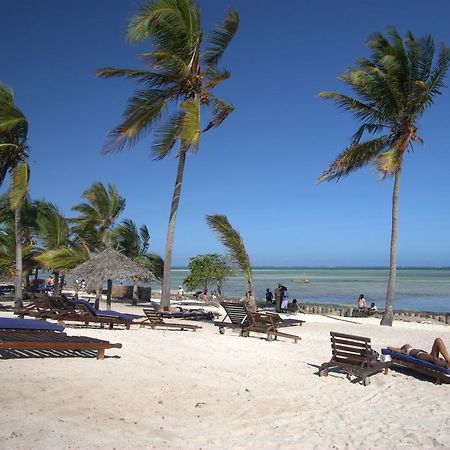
column 259, row 168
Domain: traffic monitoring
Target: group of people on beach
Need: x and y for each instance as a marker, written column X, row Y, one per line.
column 282, row 298
column 363, row 305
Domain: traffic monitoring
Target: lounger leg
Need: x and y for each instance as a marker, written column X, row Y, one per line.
column 110, row 326
column 101, row 353
column 128, row 326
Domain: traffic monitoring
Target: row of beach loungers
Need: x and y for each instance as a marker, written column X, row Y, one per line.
column 352, row 354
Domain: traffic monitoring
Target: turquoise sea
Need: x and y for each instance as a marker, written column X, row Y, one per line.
column 419, row 289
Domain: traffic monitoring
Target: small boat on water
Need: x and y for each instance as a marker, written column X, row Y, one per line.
column 301, row 281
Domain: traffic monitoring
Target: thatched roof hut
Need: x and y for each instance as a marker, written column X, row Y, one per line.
column 112, row 265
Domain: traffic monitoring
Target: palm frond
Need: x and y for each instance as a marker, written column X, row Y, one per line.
column 221, row 37
column 143, row 111
column 221, row 111
column 166, row 136
column 19, row 188
column 233, row 241
column 190, row 129
column 153, row 79
column 354, row 157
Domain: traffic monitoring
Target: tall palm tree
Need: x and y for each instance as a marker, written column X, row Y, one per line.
column 393, row 89
column 179, row 83
column 236, row 249
column 13, row 154
column 134, row 243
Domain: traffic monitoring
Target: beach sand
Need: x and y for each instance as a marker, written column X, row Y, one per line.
column 203, row 390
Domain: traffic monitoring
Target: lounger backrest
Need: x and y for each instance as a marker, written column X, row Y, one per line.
column 85, row 307
column 238, row 313
column 349, row 349
column 41, row 301
column 153, row 316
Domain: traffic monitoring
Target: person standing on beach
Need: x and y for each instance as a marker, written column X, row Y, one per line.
column 279, row 295
column 269, row 296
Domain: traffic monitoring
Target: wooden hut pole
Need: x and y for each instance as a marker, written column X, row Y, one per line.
column 108, row 294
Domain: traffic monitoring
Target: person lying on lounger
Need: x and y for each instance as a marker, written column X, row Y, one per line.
column 437, row 349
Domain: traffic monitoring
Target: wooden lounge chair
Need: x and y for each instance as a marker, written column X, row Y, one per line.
column 29, row 334
column 154, row 320
column 438, row 373
column 286, row 322
column 62, row 309
column 355, row 356
column 244, row 320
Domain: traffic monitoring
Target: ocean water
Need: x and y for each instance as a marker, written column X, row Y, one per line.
column 419, row 289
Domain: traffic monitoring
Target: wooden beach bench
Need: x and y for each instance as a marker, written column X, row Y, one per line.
column 354, row 355
column 438, row 373
column 35, row 335
column 245, row 321
column 154, row 320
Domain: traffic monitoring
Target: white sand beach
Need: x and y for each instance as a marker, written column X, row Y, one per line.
column 203, row 390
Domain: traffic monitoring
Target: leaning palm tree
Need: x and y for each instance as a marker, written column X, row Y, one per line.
column 134, row 243
column 236, row 249
column 393, row 89
column 179, row 83
column 13, row 154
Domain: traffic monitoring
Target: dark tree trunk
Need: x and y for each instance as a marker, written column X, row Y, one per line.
column 36, row 278
column 18, row 299
column 388, row 315
column 108, row 294
column 165, row 292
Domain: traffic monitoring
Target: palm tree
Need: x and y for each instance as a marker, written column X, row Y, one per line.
column 97, row 217
column 179, row 83
column 236, row 249
column 13, row 153
column 8, row 253
column 134, row 243
column 53, row 233
column 393, row 89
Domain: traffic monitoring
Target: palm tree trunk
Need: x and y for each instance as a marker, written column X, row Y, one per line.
column 165, row 293
column 36, row 278
column 18, row 303
column 56, row 284
column 251, row 302
column 388, row 315
column 98, row 294
column 135, row 294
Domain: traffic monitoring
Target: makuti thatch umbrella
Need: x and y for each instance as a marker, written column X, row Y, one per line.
column 111, row 265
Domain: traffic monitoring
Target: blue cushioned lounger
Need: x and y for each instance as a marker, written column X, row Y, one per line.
column 9, row 323
column 411, row 362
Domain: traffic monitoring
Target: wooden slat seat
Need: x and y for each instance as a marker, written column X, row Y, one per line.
column 355, row 356
column 154, row 320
